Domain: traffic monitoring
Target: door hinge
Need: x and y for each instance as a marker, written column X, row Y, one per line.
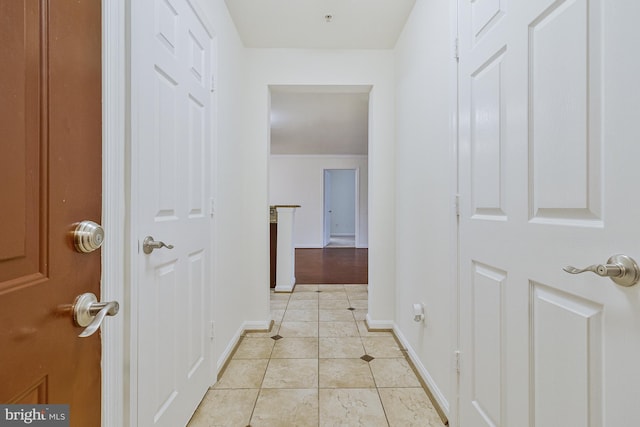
column 212, row 209
column 212, row 330
column 457, row 355
column 213, row 83
column 456, row 203
column 456, row 50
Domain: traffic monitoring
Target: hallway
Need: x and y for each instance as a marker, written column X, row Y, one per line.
column 318, row 366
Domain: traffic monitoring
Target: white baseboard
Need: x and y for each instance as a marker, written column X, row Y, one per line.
column 379, row 324
column 287, row 287
column 228, row 350
column 422, row 371
column 257, row 325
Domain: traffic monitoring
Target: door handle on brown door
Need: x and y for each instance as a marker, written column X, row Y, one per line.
column 622, row 269
column 87, row 311
column 148, row 245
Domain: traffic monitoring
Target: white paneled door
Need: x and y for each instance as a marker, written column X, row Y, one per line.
column 549, row 175
column 171, row 175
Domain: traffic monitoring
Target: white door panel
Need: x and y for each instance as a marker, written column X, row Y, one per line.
column 548, row 144
column 172, row 170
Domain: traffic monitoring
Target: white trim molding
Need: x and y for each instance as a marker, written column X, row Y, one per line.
column 246, row 326
column 114, row 108
column 422, row 371
column 379, row 324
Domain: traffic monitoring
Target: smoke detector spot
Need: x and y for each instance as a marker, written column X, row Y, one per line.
column 328, row 18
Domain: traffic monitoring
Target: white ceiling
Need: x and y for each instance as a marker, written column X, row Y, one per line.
column 356, row 24
column 320, row 119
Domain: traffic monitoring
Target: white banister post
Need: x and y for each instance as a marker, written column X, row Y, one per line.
column 285, row 251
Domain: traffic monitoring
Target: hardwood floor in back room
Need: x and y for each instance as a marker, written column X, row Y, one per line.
column 332, row 266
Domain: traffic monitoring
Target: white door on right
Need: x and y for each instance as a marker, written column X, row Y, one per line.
column 549, row 177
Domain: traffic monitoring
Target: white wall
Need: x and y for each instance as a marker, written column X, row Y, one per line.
column 327, row 67
column 298, row 179
column 424, row 187
column 236, row 246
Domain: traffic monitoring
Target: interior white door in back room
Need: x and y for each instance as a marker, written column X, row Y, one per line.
column 549, row 146
column 340, row 207
column 172, row 167
column 326, row 229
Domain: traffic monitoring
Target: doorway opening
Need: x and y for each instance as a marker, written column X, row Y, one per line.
column 340, row 208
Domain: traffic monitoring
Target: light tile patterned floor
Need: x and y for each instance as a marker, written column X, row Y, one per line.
column 309, row 371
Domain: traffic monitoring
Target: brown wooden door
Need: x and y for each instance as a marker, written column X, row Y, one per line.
column 50, row 178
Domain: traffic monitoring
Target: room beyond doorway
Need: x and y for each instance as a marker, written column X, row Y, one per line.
column 332, row 266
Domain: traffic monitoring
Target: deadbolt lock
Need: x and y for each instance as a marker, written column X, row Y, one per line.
column 88, row 236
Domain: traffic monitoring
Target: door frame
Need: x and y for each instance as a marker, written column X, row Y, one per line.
column 115, row 141
column 454, row 153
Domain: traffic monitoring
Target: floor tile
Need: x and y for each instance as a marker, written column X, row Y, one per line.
column 337, row 296
column 351, row 407
column 345, row 373
column 338, row 329
column 254, row 348
column 355, row 288
column 297, row 296
column 393, row 373
column 280, row 296
column 408, row 407
column 364, row 331
column 379, row 347
column 286, row 408
column 364, row 296
column 303, row 305
column 305, row 288
column 301, row 316
column 278, row 304
column 298, row 329
column 313, row 375
column 336, row 315
column 333, row 304
column 291, row 373
column 359, row 303
column 359, row 314
column 295, row 348
column 243, row 374
column 277, row 315
column 225, row 407
column 341, row 348
column 331, row 288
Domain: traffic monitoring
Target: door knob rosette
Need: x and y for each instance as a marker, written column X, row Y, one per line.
column 87, row 311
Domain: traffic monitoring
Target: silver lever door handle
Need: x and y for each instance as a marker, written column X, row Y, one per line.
column 148, row 245
column 87, row 311
column 622, row 269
